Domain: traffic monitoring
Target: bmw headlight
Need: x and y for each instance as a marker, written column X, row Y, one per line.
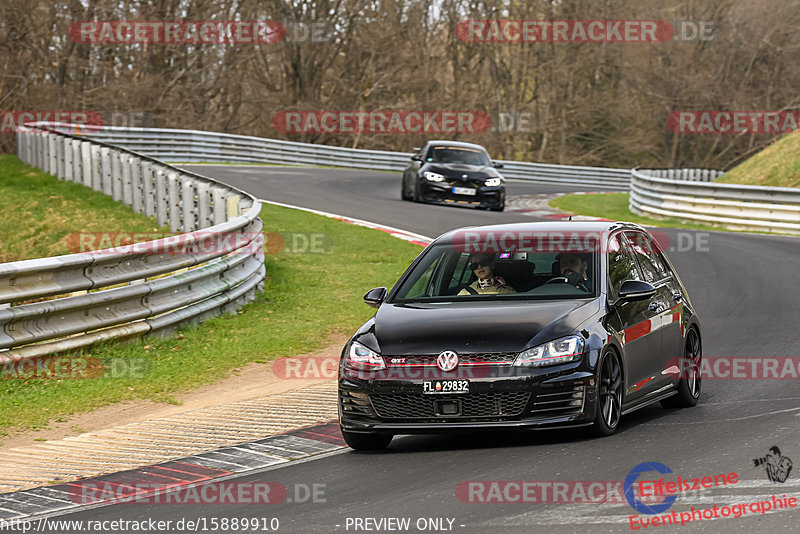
column 363, row 358
column 433, row 176
column 491, row 182
column 564, row 350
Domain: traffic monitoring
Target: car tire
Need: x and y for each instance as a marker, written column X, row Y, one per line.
column 501, row 207
column 689, row 387
column 366, row 441
column 609, row 395
column 403, row 194
column 415, row 194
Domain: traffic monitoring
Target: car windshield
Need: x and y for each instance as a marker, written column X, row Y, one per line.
column 449, row 154
column 447, row 273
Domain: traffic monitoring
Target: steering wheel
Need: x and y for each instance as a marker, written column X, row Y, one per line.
column 564, row 280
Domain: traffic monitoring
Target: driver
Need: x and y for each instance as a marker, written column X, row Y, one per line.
column 573, row 267
column 482, row 265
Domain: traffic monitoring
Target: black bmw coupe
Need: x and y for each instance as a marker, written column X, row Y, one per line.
column 541, row 325
column 448, row 172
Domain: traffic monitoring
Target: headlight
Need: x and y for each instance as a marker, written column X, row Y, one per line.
column 492, row 182
column 433, row 177
column 362, row 358
column 567, row 349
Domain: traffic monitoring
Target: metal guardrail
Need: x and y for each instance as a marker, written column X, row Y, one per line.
column 672, row 193
column 216, row 266
column 193, row 145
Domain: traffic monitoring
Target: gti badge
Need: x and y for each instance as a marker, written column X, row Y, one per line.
column 447, row 360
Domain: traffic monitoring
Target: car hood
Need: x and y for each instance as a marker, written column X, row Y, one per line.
column 468, row 327
column 459, row 169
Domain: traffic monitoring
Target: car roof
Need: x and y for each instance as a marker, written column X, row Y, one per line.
column 545, row 226
column 458, row 144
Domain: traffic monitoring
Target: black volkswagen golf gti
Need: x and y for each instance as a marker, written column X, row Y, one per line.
column 542, row 325
column 449, row 172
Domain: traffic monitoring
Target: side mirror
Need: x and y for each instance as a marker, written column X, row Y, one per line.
column 497, row 165
column 375, row 297
column 633, row 290
column 416, row 157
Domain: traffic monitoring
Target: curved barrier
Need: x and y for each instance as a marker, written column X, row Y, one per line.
column 67, row 302
column 193, row 145
column 672, row 193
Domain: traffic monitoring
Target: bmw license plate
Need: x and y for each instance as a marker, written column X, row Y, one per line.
column 464, row 191
column 441, row 387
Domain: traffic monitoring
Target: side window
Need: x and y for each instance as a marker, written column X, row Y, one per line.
column 423, row 283
column 621, row 265
column 652, row 265
column 461, row 273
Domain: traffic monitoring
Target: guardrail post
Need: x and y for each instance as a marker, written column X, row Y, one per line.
column 125, row 165
column 21, row 145
column 33, row 144
column 41, row 161
column 77, row 169
column 52, row 155
column 86, row 163
column 137, row 184
column 220, row 205
column 97, row 171
column 105, row 171
column 116, row 174
column 60, row 157
column 160, row 193
column 233, row 206
column 174, row 202
column 67, row 148
column 204, row 216
column 188, row 208
column 148, row 189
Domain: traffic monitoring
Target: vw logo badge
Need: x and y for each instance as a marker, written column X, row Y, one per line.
column 447, row 360
column 465, row 176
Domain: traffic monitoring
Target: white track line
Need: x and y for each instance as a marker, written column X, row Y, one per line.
column 398, row 232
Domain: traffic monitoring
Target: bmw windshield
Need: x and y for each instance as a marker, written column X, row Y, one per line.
column 467, row 156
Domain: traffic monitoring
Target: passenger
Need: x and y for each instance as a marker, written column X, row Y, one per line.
column 487, row 283
column 573, row 267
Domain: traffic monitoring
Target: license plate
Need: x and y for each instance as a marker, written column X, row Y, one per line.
column 463, row 191
column 441, row 387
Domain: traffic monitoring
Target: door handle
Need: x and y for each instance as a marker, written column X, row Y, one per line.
column 677, row 297
column 654, row 306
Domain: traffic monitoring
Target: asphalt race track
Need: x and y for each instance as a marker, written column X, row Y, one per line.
column 746, row 290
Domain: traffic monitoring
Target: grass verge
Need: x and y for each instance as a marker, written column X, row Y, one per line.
column 308, row 297
column 615, row 206
column 777, row 165
column 39, row 212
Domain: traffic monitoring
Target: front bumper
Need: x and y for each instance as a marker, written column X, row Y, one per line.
column 442, row 193
column 400, row 407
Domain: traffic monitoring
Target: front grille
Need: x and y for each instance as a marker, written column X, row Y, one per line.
column 503, row 404
column 489, row 358
column 558, row 401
